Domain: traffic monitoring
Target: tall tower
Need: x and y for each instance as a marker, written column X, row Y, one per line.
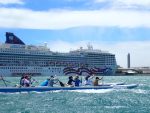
column 128, row 60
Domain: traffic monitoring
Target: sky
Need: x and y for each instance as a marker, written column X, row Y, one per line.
column 117, row 26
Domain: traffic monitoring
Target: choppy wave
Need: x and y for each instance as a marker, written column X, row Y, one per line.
column 140, row 91
column 116, row 107
column 82, row 101
column 137, row 91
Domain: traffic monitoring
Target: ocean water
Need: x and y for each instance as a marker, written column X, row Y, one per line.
column 135, row 100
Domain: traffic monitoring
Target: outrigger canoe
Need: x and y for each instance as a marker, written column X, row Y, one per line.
column 45, row 88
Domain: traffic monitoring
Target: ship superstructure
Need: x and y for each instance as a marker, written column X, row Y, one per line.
column 16, row 59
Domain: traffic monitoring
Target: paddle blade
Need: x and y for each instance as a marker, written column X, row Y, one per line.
column 61, row 84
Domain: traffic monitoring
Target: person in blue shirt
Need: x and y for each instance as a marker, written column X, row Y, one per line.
column 45, row 83
column 77, row 81
column 50, row 81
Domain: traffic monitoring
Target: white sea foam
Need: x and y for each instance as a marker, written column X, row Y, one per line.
column 139, row 91
column 142, row 84
column 93, row 91
column 25, row 92
column 9, row 93
column 46, row 92
column 57, row 91
column 38, row 92
column 117, row 107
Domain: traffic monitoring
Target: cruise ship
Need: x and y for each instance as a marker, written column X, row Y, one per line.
column 17, row 58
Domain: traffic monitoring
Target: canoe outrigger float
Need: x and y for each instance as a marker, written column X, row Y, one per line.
column 45, row 88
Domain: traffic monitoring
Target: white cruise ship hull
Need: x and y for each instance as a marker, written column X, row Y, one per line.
column 46, row 71
column 17, row 59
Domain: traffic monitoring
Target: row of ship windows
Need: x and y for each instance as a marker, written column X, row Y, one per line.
column 98, row 58
column 101, row 62
column 53, row 60
column 20, row 52
column 42, row 53
column 35, row 71
column 89, row 55
column 17, row 68
column 25, row 68
column 43, row 61
column 13, row 68
column 109, row 61
column 39, row 63
column 102, row 65
column 55, row 65
column 101, row 55
column 42, row 65
column 63, row 61
column 60, row 56
column 38, row 58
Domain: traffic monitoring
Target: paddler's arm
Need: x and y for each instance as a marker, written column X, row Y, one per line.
column 56, row 80
column 101, row 78
column 91, row 77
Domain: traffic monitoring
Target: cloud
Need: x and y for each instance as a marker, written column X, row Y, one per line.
column 138, row 50
column 5, row 2
column 62, row 19
column 126, row 3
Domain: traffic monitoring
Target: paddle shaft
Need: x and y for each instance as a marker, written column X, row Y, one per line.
column 4, row 81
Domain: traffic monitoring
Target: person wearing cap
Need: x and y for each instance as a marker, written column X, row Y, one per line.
column 52, row 80
column 95, row 83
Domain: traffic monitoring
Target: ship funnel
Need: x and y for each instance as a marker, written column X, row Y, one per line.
column 12, row 39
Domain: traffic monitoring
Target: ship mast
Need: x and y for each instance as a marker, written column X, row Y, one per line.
column 90, row 47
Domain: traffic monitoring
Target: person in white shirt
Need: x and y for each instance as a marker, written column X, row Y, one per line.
column 89, row 80
column 25, row 81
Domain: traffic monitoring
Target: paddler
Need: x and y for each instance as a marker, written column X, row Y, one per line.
column 95, row 83
column 89, row 80
column 77, row 81
column 25, row 81
column 70, row 81
column 52, row 80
